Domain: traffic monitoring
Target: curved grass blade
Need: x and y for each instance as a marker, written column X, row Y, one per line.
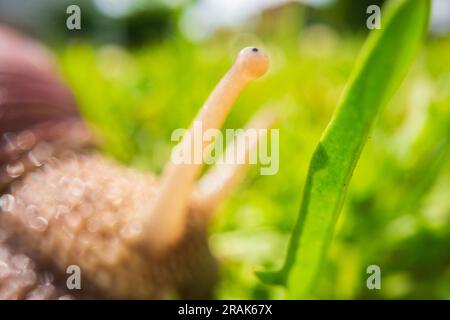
column 382, row 64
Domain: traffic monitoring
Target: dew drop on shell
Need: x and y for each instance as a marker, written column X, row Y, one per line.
column 76, row 188
column 28, row 278
column 131, row 230
column 61, row 211
column 114, row 193
column 42, row 292
column 26, row 140
column 40, row 153
column 15, row 169
column 39, row 223
column 31, row 211
column 46, row 278
column 8, row 142
column 7, row 202
column 35, row 221
column 20, row 262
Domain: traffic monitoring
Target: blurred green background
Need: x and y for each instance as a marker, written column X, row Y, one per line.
column 141, row 69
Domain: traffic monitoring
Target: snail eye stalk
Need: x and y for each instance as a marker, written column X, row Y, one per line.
column 166, row 220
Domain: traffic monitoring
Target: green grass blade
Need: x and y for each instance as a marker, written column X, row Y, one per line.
column 382, row 64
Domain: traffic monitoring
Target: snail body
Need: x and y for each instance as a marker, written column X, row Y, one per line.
column 85, row 210
column 133, row 235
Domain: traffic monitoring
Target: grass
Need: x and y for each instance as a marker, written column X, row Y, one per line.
column 382, row 65
column 135, row 99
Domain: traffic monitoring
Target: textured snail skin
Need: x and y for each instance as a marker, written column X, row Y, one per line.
column 19, row 279
column 82, row 209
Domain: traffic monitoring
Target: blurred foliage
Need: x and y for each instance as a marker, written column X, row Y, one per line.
column 397, row 212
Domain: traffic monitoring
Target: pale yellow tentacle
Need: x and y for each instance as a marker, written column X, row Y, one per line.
column 166, row 221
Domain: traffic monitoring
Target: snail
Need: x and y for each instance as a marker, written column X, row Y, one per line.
column 133, row 235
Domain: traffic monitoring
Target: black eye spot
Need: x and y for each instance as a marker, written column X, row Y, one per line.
column 255, row 49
